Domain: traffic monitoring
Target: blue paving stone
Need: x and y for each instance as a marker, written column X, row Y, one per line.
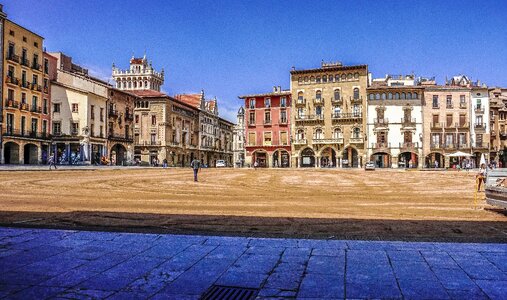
column 270, row 293
column 255, row 263
column 165, row 251
column 413, row 270
column 69, row 278
column 106, row 282
column 135, row 266
column 367, row 273
column 277, row 243
column 284, row 280
column 327, row 265
column 95, row 235
column 163, row 296
column 70, row 242
column 53, row 265
column 328, row 252
column 498, row 259
column 188, row 258
column 363, row 245
column 262, row 250
column 482, row 269
column 227, row 252
column 37, row 292
column 475, row 294
column 367, row 256
column 299, row 252
column 77, row 293
column 373, row 290
column 104, row 262
column 494, row 289
column 422, row 289
column 291, row 267
column 321, row 286
column 240, row 279
column 336, row 244
column 313, row 244
column 419, row 246
column 186, row 285
column 454, row 279
column 6, row 289
column 405, row 255
column 151, row 283
column 439, row 259
column 227, row 241
column 191, row 239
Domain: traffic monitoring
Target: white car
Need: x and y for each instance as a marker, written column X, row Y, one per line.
column 369, row 166
column 220, row 164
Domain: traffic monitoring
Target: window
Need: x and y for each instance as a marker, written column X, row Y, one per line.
column 449, row 138
column 356, row 93
column 267, row 138
column 267, row 117
column 44, row 127
column 300, row 97
column 435, row 101
column 478, row 137
column 137, row 119
column 337, row 94
column 416, row 96
column 435, row 119
column 92, row 112
column 462, row 139
column 75, row 107
column 267, row 102
column 449, row 120
column 284, row 138
column 318, row 79
column 101, row 131
column 56, row 107
column 34, row 102
column 252, row 118
column 448, row 101
column 74, row 129
column 478, row 120
column 45, row 106
column 324, row 78
column 407, row 137
column 462, row 120
column 403, row 96
column 300, row 134
column 462, row 101
column 390, row 96
column 10, row 72
column 318, row 95
column 102, row 114
column 435, row 139
column 252, row 103
column 283, row 116
column 57, row 128
column 46, row 66
column 35, row 125
column 318, row 134
column 10, row 95
column 357, row 133
column 35, row 79
column 318, row 110
column 23, row 98
column 251, row 138
column 283, row 102
column 46, row 85
column 92, row 129
column 478, row 104
column 337, row 133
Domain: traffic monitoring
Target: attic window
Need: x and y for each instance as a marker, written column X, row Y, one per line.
column 24, row 39
column 36, row 44
column 11, row 32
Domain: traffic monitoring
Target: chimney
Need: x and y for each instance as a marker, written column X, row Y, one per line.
column 279, row 88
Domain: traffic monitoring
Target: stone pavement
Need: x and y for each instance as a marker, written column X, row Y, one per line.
column 62, row 264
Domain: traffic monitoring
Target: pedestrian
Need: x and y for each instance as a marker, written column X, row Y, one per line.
column 436, row 164
column 165, row 163
column 256, row 164
column 52, row 161
column 196, row 165
column 481, row 177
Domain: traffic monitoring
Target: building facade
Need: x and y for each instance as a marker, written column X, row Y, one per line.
column 2, row 21
column 139, row 76
column 79, row 114
column 394, row 123
column 120, row 129
column 267, row 128
column 480, row 126
column 238, row 134
column 25, row 132
column 498, row 125
column 329, row 116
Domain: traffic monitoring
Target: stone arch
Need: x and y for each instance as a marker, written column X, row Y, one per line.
column 281, row 158
column 30, row 153
column 307, row 158
column 118, row 155
column 11, row 153
column 260, row 156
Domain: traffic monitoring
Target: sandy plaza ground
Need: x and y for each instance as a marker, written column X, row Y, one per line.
column 309, row 203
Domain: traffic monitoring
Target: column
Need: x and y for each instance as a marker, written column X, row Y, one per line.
column 67, row 152
column 21, row 151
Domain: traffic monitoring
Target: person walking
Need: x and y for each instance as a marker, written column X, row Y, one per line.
column 52, row 161
column 481, row 177
column 164, row 163
column 256, row 164
column 196, row 165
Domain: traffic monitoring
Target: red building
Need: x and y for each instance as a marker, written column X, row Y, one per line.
column 267, row 133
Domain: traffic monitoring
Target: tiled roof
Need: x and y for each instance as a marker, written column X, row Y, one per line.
column 147, row 93
column 136, row 61
column 191, row 99
column 282, row 93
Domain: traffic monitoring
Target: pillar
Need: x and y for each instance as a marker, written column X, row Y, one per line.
column 21, row 151
column 39, row 154
column 67, row 152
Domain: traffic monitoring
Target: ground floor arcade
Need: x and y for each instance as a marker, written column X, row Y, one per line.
column 24, row 151
column 268, row 157
column 177, row 156
column 329, row 156
column 80, row 151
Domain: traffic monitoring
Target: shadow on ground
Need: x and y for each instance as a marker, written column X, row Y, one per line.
column 405, row 230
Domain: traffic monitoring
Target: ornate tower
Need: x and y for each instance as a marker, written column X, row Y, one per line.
column 140, row 76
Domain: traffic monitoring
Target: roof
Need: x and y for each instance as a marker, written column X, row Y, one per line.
column 330, row 69
column 211, row 104
column 282, row 93
column 191, row 99
column 395, row 88
column 136, row 60
column 147, row 93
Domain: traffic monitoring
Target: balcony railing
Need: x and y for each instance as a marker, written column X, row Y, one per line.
column 36, row 109
column 462, row 105
column 462, row 125
column 479, row 110
column 409, row 146
column 9, row 103
column 355, row 115
column 480, row 145
column 267, row 122
column 309, row 117
column 379, row 146
column 25, row 62
column 12, row 80
column 450, row 125
column 12, row 57
column 36, row 66
column 300, row 102
column 436, row 125
column 129, row 116
column 36, row 87
column 283, row 121
column 380, row 122
column 120, row 137
column 300, row 142
column 25, row 84
column 480, row 126
column 26, row 134
column 328, row 141
column 24, row 106
column 356, row 140
column 113, row 113
column 436, row 145
column 318, row 100
column 408, row 122
column 46, row 90
column 356, row 100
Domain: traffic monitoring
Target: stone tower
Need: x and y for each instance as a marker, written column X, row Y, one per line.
column 140, row 76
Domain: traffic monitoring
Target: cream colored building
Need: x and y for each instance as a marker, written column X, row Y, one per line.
column 79, row 117
column 498, row 125
column 329, row 116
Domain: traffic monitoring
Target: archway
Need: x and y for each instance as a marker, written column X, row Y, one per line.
column 408, row 160
column 281, row 159
column 381, row 160
column 328, row 158
column 261, row 157
column 118, row 155
column 350, row 157
column 30, row 154
column 434, row 160
column 11, row 153
column 307, row 158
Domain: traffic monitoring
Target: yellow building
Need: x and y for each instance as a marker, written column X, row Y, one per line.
column 328, row 116
column 26, row 108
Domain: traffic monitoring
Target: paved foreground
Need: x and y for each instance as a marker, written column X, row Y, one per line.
column 41, row 263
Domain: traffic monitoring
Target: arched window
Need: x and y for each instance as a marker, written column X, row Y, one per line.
column 318, row 79
column 146, row 83
column 337, row 94
column 300, row 134
column 300, row 80
column 383, row 96
column 344, row 77
column 300, row 96
column 331, row 78
column 371, row 96
column 318, row 95
column 349, row 76
column 312, row 79
column 318, row 134
column 397, row 96
column 337, row 78
column 337, row 133
column 135, row 84
column 124, row 85
column 306, row 78
column 377, row 96
column 324, row 78
column 356, row 75
column 356, row 93
column 357, row 133
column 409, row 95
column 403, row 95
column 130, row 84
column 390, row 96
column 416, row 96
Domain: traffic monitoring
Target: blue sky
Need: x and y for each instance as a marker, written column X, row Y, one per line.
column 234, row 47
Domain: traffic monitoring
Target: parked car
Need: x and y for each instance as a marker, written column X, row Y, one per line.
column 220, row 164
column 369, row 166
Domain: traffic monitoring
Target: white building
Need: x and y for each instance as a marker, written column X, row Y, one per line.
column 239, row 139
column 480, row 127
column 78, row 114
column 140, row 76
column 395, row 123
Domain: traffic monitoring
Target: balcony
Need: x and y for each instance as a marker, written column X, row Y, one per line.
column 9, row 103
column 300, row 102
column 450, row 125
column 12, row 57
column 283, row 121
column 381, row 147
column 356, row 140
column 318, row 101
column 328, row 141
column 436, row 125
column 357, row 116
column 36, row 87
column 24, row 62
column 409, row 146
column 129, row 116
column 299, row 142
column 309, row 118
column 356, row 100
column 449, row 106
column 113, row 113
column 267, row 122
column 338, row 101
column 463, row 146
column 479, row 145
column 46, row 90
column 120, row 137
column 251, row 123
column 12, row 80
column 480, row 126
column 436, row 146
column 380, row 123
column 36, row 66
column 408, row 122
column 462, row 105
column 25, row 106
column 25, row 84
column 148, row 143
column 479, row 110
column 450, row 146
column 464, row 125
column 36, row 109
column 26, row 134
